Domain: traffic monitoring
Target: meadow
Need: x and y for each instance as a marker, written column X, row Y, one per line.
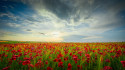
column 62, row 56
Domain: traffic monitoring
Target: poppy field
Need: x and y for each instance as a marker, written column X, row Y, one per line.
column 62, row 56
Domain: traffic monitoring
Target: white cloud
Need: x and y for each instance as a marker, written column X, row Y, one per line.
column 92, row 37
column 10, row 15
column 14, row 25
column 47, row 22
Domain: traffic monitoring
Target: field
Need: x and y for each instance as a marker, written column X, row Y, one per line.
column 62, row 56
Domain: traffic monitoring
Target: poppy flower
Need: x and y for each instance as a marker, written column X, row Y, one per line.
column 19, row 50
column 26, row 62
column 87, row 56
column 119, row 52
column 6, row 55
column 70, row 54
column 38, row 64
column 13, row 51
column 66, row 58
column 80, row 53
column 31, row 65
column 59, row 60
column 55, row 60
column 79, row 67
column 123, row 63
column 69, row 66
column 26, row 58
column 46, row 62
column 60, row 64
column 19, row 62
column 75, row 57
column 13, row 58
column 107, row 60
column 59, row 55
column 107, row 68
column 6, row 68
column 49, row 68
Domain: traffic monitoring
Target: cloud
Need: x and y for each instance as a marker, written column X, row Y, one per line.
column 92, row 37
column 14, row 25
column 4, row 33
column 29, row 30
column 69, row 19
column 42, row 33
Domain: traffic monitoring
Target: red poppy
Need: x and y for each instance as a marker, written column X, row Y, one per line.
column 20, row 62
column 46, row 62
column 38, row 64
column 87, row 56
column 6, row 68
column 31, row 65
column 66, row 58
column 70, row 54
column 123, row 63
column 79, row 67
column 107, row 68
column 26, row 62
column 49, row 68
column 107, row 60
column 59, row 60
column 69, row 66
column 13, row 58
column 13, row 51
column 60, row 64
column 80, row 53
column 19, row 50
column 75, row 57
column 59, row 55
column 55, row 60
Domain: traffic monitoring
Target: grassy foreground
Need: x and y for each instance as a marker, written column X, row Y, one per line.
column 15, row 55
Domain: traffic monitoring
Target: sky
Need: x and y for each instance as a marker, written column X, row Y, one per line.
column 62, row 20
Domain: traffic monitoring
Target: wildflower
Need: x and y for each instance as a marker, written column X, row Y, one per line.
column 123, row 63
column 26, row 62
column 79, row 67
column 13, row 51
column 87, row 56
column 38, row 64
column 26, row 58
column 107, row 60
column 80, row 53
column 46, row 62
column 107, row 68
column 59, row 55
column 59, row 60
column 6, row 68
column 75, row 57
column 19, row 50
column 70, row 54
column 55, row 60
column 13, row 58
column 66, row 58
column 60, row 64
column 49, row 68
column 31, row 65
column 69, row 66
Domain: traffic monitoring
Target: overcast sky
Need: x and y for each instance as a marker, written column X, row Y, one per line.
column 62, row 20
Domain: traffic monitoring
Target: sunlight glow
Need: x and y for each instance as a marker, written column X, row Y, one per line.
column 56, row 34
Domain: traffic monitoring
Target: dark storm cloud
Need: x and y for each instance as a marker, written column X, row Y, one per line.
column 81, row 17
column 78, row 9
column 58, row 7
